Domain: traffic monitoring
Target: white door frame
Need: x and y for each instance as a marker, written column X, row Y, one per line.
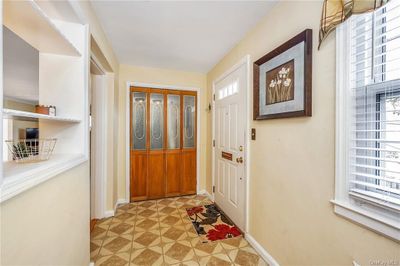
column 99, row 170
column 127, row 125
column 244, row 61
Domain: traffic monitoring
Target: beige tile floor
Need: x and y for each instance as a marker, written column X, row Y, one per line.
column 159, row 232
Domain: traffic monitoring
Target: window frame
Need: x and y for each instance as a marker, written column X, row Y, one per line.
column 362, row 212
column 381, row 98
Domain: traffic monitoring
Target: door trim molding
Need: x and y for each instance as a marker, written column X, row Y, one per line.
column 98, row 207
column 244, row 61
column 99, row 135
column 127, row 125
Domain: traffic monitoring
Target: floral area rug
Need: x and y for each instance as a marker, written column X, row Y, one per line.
column 211, row 224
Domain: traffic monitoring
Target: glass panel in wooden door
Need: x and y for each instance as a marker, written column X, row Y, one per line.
column 156, row 163
column 188, row 179
column 156, row 121
column 189, row 121
column 139, row 139
column 139, row 100
column 173, row 159
column 173, row 121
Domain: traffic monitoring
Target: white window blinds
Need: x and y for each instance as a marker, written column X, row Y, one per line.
column 373, row 150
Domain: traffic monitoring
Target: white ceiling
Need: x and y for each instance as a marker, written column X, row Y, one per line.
column 188, row 36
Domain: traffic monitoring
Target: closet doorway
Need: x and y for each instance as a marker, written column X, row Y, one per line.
column 162, row 143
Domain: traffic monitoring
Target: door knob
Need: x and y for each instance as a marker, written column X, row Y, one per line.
column 239, row 160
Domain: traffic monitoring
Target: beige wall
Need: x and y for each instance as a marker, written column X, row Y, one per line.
column 48, row 224
column 292, row 167
column 160, row 77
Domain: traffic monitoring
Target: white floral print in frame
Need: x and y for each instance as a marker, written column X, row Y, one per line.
column 282, row 80
column 280, row 84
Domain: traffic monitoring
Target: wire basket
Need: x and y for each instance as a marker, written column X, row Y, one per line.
column 31, row 150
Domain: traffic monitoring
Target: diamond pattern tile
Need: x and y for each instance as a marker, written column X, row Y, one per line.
column 126, row 207
column 167, row 221
column 112, row 245
column 120, row 228
column 171, row 234
column 147, row 213
column 216, row 260
column 246, row 256
column 206, row 249
column 159, row 232
column 146, row 238
column 146, row 224
column 166, row 202
column 187, row 263
column 147, row 256
column 167, row 210
column 99, row 231
column 178, row 251
column 104, row 221
column 95, row 246
column 147, row 204
column 119, row 259
column 124, row 216
column 234, row 243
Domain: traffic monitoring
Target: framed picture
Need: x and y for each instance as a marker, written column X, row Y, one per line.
column 282, row 80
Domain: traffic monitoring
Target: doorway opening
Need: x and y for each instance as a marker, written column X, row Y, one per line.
column 230, row 156
column 196, row 122
column 162, row 143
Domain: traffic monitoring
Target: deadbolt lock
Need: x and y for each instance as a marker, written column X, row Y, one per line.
column 240, row 148
column 239, row 160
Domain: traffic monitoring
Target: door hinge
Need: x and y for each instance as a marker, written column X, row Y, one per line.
column 213, row 142
column 213, row 189
column 214, row 96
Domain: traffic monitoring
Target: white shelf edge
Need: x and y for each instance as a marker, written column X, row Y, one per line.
column 55, row 27
column 41, row 14
column 17, row 113
column 33, row 174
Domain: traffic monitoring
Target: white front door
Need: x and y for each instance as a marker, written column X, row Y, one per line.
column 229, row 151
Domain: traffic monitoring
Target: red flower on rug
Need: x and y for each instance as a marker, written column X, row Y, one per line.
column 194, row 210
column 222, row 231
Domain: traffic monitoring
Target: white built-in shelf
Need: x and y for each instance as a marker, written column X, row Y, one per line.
column 28, row 21
column 9, row 113
column 19, row 177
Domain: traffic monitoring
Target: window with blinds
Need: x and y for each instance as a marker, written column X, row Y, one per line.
column 373, row 152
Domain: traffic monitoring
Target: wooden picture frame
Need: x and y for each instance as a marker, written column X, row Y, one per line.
column 300, row 84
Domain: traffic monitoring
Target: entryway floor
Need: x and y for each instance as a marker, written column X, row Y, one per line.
column 159, row 232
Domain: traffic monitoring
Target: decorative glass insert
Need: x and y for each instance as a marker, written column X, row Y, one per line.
column 188, row 121
column 139, row 120
column 156, row 121
column 173, row 121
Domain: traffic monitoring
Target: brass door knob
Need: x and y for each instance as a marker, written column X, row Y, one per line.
column 239, row 160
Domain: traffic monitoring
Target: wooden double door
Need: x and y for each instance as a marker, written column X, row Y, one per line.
column 162, row 143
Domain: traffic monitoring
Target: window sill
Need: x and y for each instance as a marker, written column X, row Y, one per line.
column 18, row 178
column 377, row 223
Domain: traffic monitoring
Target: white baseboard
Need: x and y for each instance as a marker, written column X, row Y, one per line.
column 119, row 201
column 205, row 192
column 108, row 213
column 263, row 253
